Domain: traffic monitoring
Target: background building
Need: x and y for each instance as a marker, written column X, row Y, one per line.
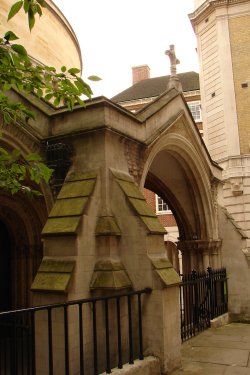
column 223, row 35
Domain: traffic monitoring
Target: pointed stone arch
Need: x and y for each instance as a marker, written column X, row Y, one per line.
column 178, row 169
column 21, row 220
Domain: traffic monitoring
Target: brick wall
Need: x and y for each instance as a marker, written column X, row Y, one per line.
column 240, row 47
column 140, row 73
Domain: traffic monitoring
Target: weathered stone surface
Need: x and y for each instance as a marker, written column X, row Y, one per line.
column 149, row 366
column 82, row 176
column 153, row 225
column 110, row 274
column 110, row 280
column 68, row 207
column 130, row 189
column 121, row 175
column 107, row 225
column 141, row 207
column 61, row 225
column 51, row 282
column 222, row 351
column 108, row 265
column 160, row 263
column 53, row 275
column 77, row 189
column 66, row 214
column 53, row 265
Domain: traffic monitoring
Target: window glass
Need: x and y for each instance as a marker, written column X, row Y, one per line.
column 161, row 206
column 195, row 108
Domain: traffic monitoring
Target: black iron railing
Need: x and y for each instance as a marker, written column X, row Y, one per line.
column 107, row 333
column 203, row 296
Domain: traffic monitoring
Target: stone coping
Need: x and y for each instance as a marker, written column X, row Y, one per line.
column 149, row 366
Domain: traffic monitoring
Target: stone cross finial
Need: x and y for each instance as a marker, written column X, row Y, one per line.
column 173, row 59
column 174, row 80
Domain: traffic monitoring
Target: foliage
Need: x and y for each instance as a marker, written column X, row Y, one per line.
column 19, row 72
column 16, row 170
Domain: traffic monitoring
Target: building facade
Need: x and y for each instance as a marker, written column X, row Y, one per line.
column 223, row 35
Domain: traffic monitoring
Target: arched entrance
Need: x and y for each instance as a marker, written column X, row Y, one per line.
column 174, row 171
column 21, row 220
column 5, row 268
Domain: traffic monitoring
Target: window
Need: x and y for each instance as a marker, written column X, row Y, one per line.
column 161, row 206
column 195, row 108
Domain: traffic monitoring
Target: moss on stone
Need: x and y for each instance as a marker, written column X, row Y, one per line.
column 130, row 189
column 110, row 274
column 53, row 275
column 51, row 282
column 160, row 263
column 106, row 225
column 110, row 280
column 77, row 189
column 68, row 207
column 82, row 176
column 51, row 265
column 153, row 225
column 61, row 225
column 169, row 276
column 141, row 207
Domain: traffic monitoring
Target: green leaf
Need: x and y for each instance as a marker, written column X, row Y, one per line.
column 45, row 172
column 33, row 157
column 18, row 48
column 29, row 113
column 7, row 117
column 31, row 18
column 3, row 151
column 10, row 36
column 56, row 102
column 94, row 78
column 15, row 9
column 48, row 96
column 74, row 71
column 42, row 3
column 7, row 86
column 39, row 10
column 26, row 6
column 39, row 93
column 63, row 69
column 80, row 101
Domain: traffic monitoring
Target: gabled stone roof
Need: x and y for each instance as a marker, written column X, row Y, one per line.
column 154, row 87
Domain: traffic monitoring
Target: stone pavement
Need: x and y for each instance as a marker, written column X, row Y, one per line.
column 220, row 351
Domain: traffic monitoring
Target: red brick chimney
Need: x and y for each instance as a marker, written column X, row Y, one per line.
column 140, row 73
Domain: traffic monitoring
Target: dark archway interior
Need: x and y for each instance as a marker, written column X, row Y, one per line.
column 5, row 268
column 20, row 249
column 172, row 179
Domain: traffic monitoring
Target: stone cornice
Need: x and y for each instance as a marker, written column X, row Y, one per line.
column 208, row 6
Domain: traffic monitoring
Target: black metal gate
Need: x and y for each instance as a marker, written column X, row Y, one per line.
column 203, row 296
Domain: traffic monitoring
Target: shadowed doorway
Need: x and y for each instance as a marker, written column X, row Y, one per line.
column 5, row 268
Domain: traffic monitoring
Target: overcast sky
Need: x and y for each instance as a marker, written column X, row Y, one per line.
column 115, row 35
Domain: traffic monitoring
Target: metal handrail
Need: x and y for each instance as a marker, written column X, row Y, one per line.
column 75, row 302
